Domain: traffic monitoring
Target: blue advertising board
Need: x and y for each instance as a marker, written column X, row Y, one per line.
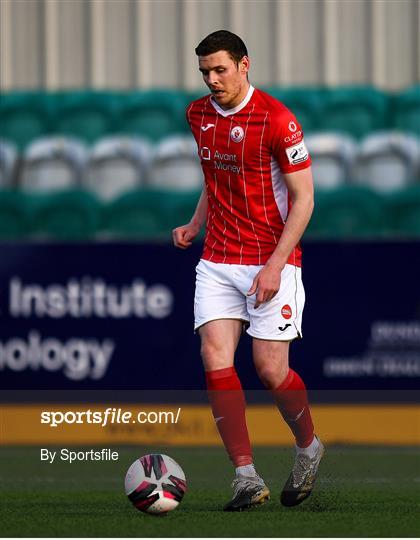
column 119, row 316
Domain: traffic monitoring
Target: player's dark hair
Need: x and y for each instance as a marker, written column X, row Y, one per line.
column 222, row 40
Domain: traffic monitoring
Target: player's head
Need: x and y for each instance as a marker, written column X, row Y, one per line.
column 223, row 61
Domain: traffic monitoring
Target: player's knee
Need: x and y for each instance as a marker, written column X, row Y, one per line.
column 213, row 355
column 272, row 375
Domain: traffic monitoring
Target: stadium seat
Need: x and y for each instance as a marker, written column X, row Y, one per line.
column 406, row 115
column 116, row 165
column 305, row 103
column 69, row 215
column 24, row 116
column 387, row 161
column 153, row 114
column 136, row 214
column 176, row 165
column 177, row 207
column 8, row 163
column 403, row 211
column 53, row 163
column 332, row 156
column 347, row 212
column 356, row 111
column 13, row 215
column 86, row 115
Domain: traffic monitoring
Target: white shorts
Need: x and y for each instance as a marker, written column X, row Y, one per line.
column 220, row 293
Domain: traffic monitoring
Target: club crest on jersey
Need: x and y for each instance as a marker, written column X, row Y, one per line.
column 237, row 134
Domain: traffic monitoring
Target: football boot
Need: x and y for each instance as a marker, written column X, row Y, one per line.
column 301, row 481
column 248, row 491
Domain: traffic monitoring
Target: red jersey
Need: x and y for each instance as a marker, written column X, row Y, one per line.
column 244, row 153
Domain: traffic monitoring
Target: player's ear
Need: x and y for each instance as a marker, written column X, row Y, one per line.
column 244, row 64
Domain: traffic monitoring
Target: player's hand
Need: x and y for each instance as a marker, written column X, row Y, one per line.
column 184, row 235
column 266, row 285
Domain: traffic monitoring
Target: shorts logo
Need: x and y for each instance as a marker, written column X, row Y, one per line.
column 292, row 127
column 286, row 311
column 237, row 134
column 285, row 327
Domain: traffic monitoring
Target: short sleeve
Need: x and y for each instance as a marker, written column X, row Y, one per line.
column 187, row 114
column 287, row 143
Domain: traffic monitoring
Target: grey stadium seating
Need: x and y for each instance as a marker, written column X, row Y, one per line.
column 117, row 164
column 387, row 161
column 53, row 164
column 8, row 162
column 176, row 164
column 332, row 157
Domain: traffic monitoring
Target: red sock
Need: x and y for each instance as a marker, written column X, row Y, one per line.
column 228, row 405
column 292, row 400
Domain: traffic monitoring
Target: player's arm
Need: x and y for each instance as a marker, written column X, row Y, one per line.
column 184, row 235
column 301, row 190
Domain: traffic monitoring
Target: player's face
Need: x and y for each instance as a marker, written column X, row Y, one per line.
column 226, row 80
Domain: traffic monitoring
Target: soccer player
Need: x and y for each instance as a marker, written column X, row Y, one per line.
column 256, row 202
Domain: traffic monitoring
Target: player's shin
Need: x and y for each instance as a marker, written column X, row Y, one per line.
column 228, row 405
column 292, row 401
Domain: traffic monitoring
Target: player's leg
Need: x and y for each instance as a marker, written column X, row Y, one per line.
column 220, row 312
column 273, row 326
column 271, row 360
column 290, row 395
column 219, row 340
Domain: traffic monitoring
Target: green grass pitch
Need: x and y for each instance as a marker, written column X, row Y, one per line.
column 360, row 492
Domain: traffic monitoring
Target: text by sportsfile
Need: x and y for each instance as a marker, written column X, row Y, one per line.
column 105, row 454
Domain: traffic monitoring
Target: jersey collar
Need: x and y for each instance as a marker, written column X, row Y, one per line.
column 236, row 109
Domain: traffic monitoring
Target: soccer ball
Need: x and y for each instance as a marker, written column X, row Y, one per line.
column 155, row 484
